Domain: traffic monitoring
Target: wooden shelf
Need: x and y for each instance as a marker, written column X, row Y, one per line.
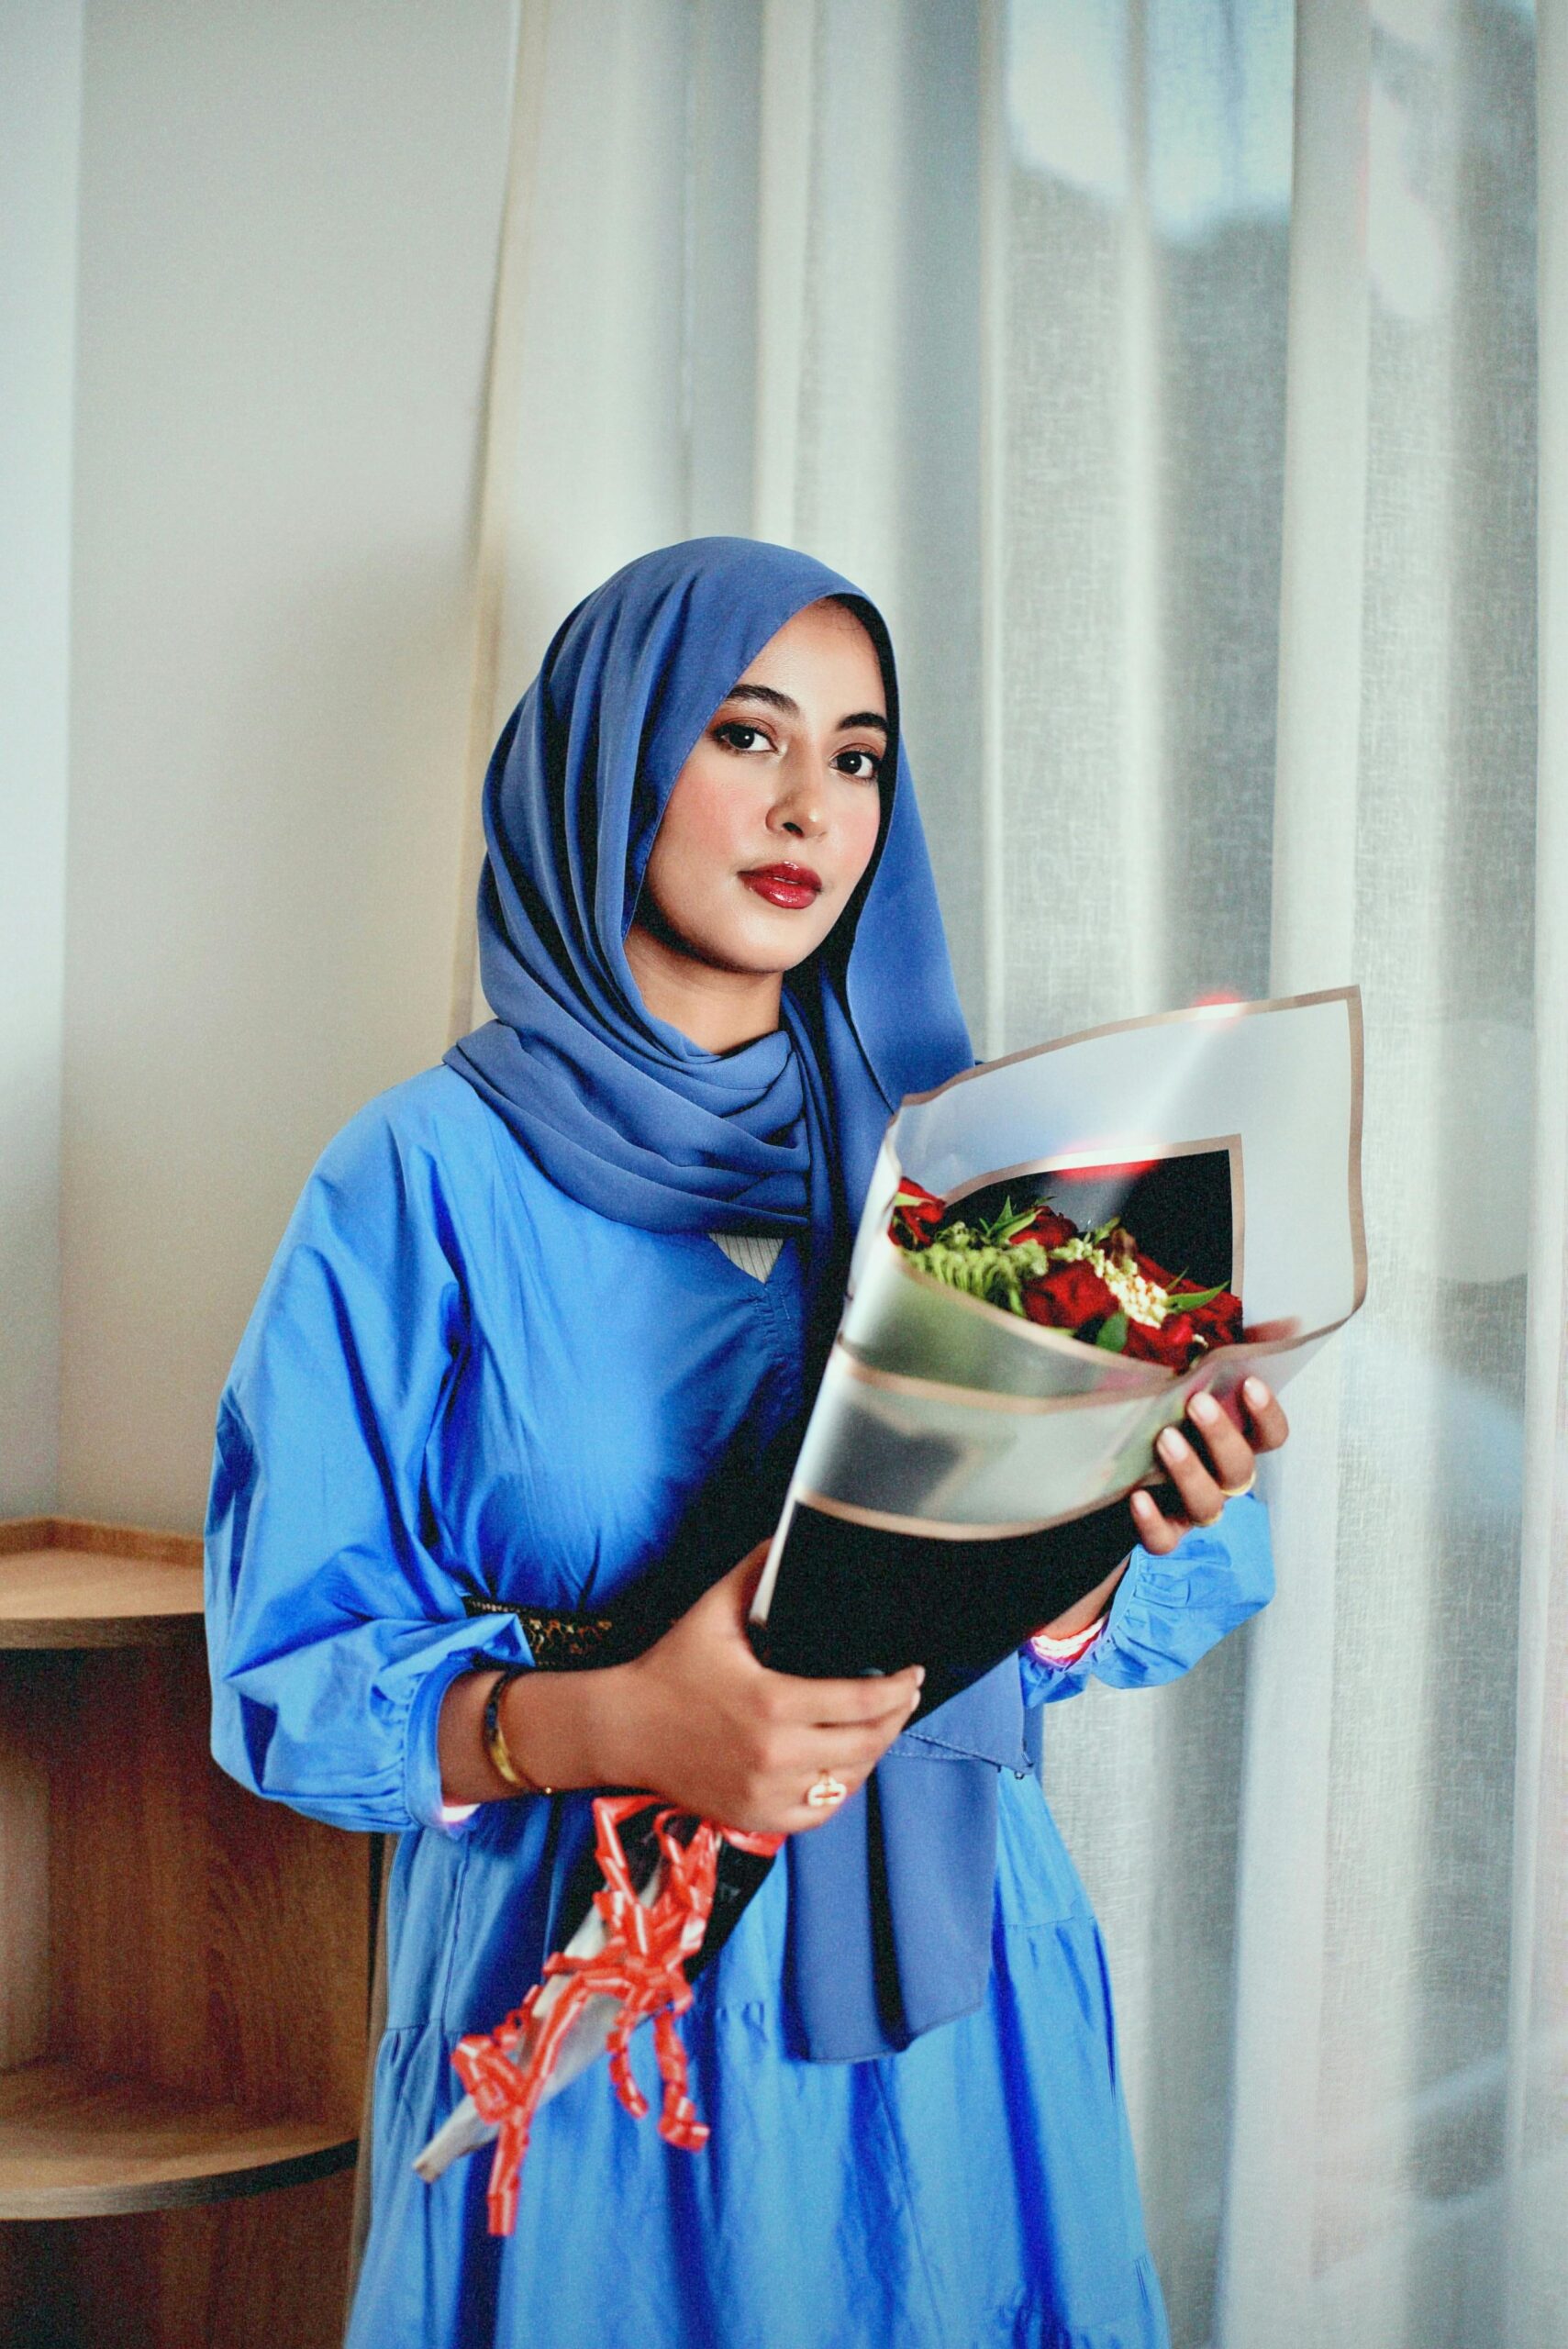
column 76, row 2146
column 67, row 1583
column 184, row 1973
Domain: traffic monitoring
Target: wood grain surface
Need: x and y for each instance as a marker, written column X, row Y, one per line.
column 24, row 1869
column 265, row 2273
column 19, row 1533
column 67, row 1582
column 202, row 1941
column 74, row 2145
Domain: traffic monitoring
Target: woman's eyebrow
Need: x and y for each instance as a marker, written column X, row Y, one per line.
column 766, row 694
column 770, row 696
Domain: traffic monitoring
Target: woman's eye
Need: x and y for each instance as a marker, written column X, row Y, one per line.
column 735, row 735
column 864, row 765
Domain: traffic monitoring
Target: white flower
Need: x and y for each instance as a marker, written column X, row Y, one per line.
column 1140, row 1299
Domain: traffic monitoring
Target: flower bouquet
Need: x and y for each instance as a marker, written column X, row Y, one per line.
column 1012, row 1344
column 1096, row 1285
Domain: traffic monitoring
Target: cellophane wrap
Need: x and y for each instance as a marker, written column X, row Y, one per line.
column 942, row 1415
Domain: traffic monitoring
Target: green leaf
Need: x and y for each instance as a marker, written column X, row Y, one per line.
column 1004, row 1230
column 1185, row 1301
column 1113, row 1334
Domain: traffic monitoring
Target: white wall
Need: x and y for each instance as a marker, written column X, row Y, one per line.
column 288, row 232
column 40, row 74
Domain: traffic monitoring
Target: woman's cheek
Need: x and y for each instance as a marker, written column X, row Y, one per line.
column 862, row 830
column 713, row 823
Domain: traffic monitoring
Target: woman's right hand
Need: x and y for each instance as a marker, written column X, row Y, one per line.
column 695, row 1720
column 705, row 1724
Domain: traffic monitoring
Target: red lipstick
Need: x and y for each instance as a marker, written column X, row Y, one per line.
column 793, row 886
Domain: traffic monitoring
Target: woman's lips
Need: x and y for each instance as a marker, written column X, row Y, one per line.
column 793, row 886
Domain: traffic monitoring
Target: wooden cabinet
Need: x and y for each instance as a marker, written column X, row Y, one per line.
column 183, row 1979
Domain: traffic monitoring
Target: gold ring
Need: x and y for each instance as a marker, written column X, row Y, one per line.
column 1203, row 1523
column 826, row 1792
column 1234, row 1492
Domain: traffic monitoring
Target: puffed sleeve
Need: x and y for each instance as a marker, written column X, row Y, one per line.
column 333, row 1630
column 1169, row 1611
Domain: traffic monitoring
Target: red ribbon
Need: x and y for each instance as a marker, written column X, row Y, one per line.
column 641, row 1966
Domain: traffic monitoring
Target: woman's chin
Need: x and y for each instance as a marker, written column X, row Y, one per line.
column 750, row 940
column 783, row 935
column 779, row 948
column 763, row 942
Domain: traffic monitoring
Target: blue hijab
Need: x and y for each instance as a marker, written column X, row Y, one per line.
column 890, row 1911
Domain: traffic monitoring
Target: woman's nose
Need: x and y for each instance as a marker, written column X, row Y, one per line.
column 800, row 809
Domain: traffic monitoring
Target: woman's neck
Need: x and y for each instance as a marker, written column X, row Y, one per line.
column 718, row 1009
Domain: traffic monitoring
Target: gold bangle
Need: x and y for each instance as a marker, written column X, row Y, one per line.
column 494, row 1736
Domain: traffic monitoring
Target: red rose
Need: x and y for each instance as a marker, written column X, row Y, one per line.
column 1218, row 1322
column 1171, row 1344
column 1067, row 1296
column 1155, row 1274
column 916, row 1214
column 1049, row 1228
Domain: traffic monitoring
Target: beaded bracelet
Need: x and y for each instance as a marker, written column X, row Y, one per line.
column 494, row 1737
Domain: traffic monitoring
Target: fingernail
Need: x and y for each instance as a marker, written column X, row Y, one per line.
column 1174, row 1446
column 1204, row 1408
column 1256, row 1392
column 919, row 1676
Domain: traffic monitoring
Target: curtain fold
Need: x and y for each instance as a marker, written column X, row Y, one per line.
column 1167, row 370
column 1265, row 2283
column 1537, row 2130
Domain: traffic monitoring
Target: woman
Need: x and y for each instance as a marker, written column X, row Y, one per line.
column 499, row 1360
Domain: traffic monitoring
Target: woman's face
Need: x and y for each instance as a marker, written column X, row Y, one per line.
column 774, row 815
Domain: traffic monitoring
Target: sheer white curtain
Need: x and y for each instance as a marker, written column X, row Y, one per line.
column 1167, row 369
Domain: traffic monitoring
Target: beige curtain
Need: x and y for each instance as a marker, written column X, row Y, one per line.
column 1167, row 368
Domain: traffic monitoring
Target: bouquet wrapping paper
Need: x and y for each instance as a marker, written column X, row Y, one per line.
column 941, row 1417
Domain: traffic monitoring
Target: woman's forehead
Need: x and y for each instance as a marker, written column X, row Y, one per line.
column 824, row 649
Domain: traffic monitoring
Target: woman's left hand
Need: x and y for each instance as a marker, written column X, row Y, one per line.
column 1210, row 1464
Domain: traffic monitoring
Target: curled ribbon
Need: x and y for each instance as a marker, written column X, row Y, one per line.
column 641, row 1966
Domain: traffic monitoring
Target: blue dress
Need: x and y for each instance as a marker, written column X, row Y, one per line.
column 458, row 1380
